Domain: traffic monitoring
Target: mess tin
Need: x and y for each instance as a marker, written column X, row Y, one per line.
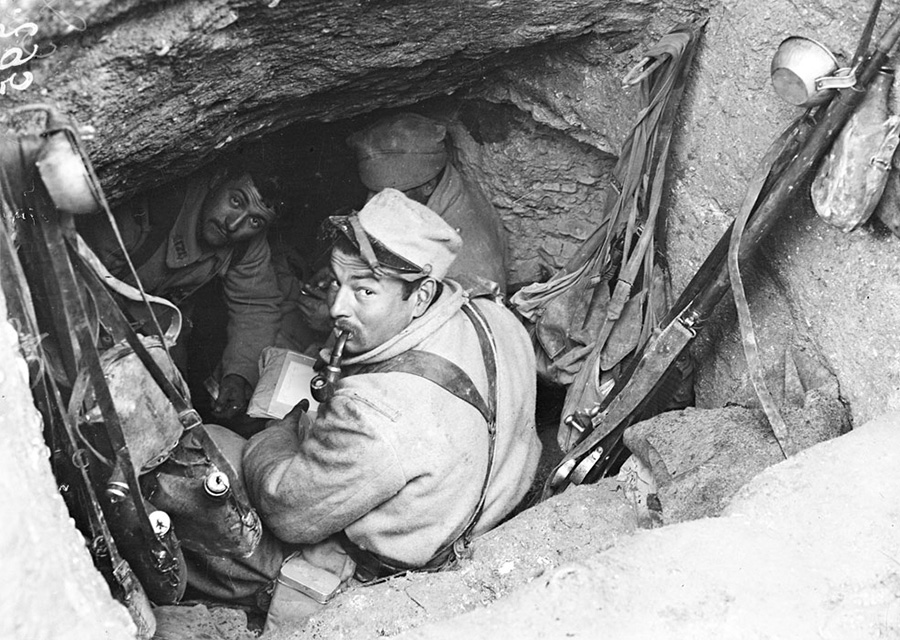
column 301, row 590
column 805, row 73
column 63, row 165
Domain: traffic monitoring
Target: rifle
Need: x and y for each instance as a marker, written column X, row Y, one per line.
column 803, row 145
column 149, row 552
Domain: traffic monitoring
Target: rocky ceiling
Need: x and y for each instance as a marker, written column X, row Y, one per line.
column 170, row 85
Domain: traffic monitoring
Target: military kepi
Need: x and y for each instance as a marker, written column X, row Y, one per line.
column 402, row 152
column 411, row 231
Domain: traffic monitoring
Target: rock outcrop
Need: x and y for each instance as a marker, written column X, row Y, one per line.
column 170, row 85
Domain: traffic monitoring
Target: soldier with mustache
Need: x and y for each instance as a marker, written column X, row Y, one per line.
column 427, row 439
column 183, row 235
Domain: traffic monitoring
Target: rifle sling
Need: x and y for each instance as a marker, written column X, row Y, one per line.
column 745, row 319
column 71, row 318
column 47, row 391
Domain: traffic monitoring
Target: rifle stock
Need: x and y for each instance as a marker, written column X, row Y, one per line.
column 595, row 454
column 655, row 361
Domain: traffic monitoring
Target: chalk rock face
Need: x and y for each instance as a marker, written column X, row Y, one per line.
column 835, row 294
column 799, row 553
column 169, row 85
column 700, row 458
column 51, row 588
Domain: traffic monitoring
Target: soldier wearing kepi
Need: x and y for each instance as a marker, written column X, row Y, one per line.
column 427, row 440
column 408, row 152
column 401, row 459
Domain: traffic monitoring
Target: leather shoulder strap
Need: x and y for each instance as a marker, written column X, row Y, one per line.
column 450, row 377
column 436, row 369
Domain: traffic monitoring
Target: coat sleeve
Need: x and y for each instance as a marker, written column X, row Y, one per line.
column 254, row 310
column 311, row 482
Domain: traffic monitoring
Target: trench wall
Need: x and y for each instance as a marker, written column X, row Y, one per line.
column 826, row 304
column 49, row 588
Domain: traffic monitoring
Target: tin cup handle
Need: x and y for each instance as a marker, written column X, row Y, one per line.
column 840, row 79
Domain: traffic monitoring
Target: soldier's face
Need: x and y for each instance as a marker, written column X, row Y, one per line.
column 233, row 211
column 372, row 309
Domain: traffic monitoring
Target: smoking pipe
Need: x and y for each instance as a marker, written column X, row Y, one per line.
column 322, row 385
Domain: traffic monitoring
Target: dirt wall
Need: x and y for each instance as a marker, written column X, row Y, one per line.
column 833, row 293
column 816, row 293
column 805, row 550
column 170, row 85
column 50, row 589
column 837, row 291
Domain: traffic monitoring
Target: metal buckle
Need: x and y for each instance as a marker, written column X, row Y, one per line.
column 586, row 465
column 189, row 418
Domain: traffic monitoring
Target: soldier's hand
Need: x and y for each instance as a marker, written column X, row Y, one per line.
column 234, row 396
column 294, row 418
column 299, row 409
column 313, row 301
column 316, row 313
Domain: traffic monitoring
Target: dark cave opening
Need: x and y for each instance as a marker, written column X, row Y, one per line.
column 318, row 173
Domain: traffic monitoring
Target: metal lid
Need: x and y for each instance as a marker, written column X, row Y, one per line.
column 300, row 575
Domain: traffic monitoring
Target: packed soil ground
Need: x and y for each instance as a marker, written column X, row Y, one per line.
column 532, row 541
column 751, row 547
column 585, row 559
